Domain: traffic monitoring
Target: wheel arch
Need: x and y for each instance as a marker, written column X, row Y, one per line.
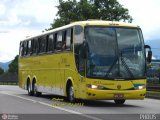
column 34, row 79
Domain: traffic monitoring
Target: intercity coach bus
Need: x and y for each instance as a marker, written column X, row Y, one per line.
column 90, row 60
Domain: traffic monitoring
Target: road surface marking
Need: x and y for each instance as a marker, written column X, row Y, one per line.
column 57, row 107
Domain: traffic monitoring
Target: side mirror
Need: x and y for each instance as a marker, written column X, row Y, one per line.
column 83, row 50
column 149, row 55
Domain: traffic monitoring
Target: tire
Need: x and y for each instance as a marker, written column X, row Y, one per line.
column 119, row 102
column 70, row 94
column 30, row 92
column 38, row 94
column 35, row 92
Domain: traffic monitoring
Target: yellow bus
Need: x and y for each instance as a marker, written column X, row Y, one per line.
column 90, row 60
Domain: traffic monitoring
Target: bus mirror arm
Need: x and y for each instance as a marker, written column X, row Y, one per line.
column 147, row 46
column 149, row 55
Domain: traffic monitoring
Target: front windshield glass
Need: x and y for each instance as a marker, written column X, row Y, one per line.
column 116, row 53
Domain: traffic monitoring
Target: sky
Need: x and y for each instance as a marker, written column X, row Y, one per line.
column 21, row 18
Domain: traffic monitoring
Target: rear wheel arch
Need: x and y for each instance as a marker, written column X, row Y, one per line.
column 34, row 81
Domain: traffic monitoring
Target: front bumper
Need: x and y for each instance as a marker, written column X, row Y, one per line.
column 93, row 94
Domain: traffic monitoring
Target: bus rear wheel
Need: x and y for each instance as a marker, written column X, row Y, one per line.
column 119, row 102
column 70, row 94
column 35, row 92
column 30, row 92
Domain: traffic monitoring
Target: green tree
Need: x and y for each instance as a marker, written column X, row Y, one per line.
column 13, row 66
column 71, row 10
column 1, row 71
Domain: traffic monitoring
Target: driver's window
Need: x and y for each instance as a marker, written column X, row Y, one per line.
column 78, row 40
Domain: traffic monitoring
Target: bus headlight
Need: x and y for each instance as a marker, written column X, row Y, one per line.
column 95, row 87
column 140, row 87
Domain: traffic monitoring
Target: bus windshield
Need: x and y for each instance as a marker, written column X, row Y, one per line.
column 115, row 53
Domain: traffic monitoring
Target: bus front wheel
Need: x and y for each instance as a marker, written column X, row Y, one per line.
column 120, row 102
column 70, row 94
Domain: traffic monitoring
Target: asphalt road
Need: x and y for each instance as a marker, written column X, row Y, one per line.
column 15, row 104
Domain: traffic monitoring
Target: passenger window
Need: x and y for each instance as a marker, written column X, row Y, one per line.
column 59, row 41
column 25, row 48
column 69, row 39
column 29, row 47
column 51, row 43
column 35, row 46
column 78, row 34
column 21, row 49
column 42, row 44
column 64, row 40
column 32, row 46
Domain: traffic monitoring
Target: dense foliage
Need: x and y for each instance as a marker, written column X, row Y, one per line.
column 13, row 66
column 72, row 10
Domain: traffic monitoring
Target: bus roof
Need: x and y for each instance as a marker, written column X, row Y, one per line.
column 86, row 23
column 105, row 23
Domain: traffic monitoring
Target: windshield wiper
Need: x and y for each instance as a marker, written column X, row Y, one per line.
column 123, row 63
column 126, row 66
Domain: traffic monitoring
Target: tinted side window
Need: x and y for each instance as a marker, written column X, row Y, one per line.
column 50, row 43
column 29, row 47
column 69, row 39
column 35, row 47
column 59, row 41
column 64, row 33
column 25, row 47
column 32, row 46
column 78, row 34
column 21, row 49
column 42, row 44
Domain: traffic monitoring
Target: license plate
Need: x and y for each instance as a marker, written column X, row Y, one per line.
column 118, row 96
